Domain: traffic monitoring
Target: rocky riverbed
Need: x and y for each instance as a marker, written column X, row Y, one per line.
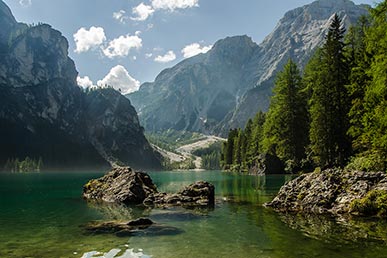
column 335, row 192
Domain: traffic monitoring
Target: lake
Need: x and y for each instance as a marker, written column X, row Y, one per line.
column 41, row 215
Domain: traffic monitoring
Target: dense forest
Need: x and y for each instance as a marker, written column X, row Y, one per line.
column 334, row 114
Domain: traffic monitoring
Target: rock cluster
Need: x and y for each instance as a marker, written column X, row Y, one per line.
column 197, row 194
column 333, row 191
column 120, row 185
column 123, row 185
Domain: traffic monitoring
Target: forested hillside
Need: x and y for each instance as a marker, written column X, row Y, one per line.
column 332, row 115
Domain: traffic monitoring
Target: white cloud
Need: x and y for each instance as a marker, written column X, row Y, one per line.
column 121, row 46
column 168, row 57
column 87, row 39
column 174, row 4
column 194, row 49
column 119, row 79
column 142, row 12
column 120, row 16
column 148, row 55
column 25, row 3
column 85, row 82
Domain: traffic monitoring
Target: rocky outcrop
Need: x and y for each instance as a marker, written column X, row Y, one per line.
column 45, row 114
column 123, row 185
column 226, row 86
column 120, row 185
column 335, row 192
column 197, row 194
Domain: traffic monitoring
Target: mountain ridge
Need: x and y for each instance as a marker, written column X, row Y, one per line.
column 45, row 114
column 234, row 79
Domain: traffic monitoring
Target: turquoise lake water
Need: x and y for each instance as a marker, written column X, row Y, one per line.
column 41, row 215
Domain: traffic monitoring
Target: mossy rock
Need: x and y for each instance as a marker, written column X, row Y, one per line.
column 373, row 204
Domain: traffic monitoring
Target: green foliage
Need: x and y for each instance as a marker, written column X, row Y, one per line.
column 373, row 204
column 286, row 127
column 211, row 156
column 345, row 86
column 329, row 102
column 23, row 166
column 243, row 146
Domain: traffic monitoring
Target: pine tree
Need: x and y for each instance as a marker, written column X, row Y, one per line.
column 374, row 119
column 329, row 103
column 255, row 145
column 286, row 125
column 237, row 155
column 359, row 63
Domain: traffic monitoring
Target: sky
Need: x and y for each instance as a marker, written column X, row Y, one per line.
column 124, row 43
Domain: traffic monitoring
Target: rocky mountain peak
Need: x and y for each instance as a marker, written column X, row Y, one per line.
column 235, row 49
column 303, row 29
column 7, row 22
column 225, row 87
column 44, row 114
column 36, row 55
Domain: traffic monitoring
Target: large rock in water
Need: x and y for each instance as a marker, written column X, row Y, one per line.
column 197, row 194
column 335, row 192
column 123, row 185
column 120, row 185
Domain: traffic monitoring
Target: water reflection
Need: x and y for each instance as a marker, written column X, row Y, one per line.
column 337, row 230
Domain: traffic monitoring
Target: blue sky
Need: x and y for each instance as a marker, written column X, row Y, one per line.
column 128, row 42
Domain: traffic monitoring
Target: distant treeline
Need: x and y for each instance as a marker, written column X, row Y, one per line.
column 210, row 156
column 334, row 114
column 23, row 166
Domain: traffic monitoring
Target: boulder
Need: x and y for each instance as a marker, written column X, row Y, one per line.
column 120, row 185
column 197, row 194
column 335, row 192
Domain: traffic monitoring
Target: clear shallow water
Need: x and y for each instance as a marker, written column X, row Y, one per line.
column 41, row 215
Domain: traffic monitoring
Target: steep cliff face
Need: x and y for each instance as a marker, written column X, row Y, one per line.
column 115, row 131
column 43, row 112
column 225, row 87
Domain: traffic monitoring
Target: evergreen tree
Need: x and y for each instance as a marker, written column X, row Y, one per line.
column 374, row 119
column 246, row 140
column 237, row 155
column 228, row 148
column 329, row 103
column 255, row 145
column 359, row 61
column 286, row 126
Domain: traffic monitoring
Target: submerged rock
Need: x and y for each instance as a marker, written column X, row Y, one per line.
column 123, row 185
column 336, row 192
column 141, row 226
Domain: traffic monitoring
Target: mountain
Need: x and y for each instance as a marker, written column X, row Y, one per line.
column 226, row 86
column 44, row 113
